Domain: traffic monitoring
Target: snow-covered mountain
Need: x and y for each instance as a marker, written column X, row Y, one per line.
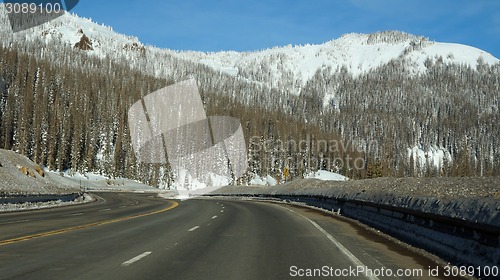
column 403, row 92
column 286, row 69
column 359, row 53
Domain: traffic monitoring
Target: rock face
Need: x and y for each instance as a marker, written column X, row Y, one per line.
column 85, row 44
column 23, row 170
column 40, row 171
column 30, row 172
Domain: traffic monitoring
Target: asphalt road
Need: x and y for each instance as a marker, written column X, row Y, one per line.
column 139, row 236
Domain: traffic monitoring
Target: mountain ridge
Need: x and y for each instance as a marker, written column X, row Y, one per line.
column 287, row 68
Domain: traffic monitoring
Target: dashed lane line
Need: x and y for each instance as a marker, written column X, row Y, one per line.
column 136, row 259
column 194, row 228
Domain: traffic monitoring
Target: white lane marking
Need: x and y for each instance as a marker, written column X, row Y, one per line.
column 194, row 228
column 73, row 214
column 339, row 245
column 14, row 222
column 135, row 259
column 214, row 217
column 221, row 211
column 123, row 206
column 104, row 210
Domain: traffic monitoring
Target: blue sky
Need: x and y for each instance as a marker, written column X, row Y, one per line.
column 214, row 25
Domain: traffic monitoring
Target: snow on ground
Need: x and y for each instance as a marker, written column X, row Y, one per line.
column 475, row 199
column 263, row 181
column 451, row 53
column 15, row 183
column 320, row 175
column 95, row 182
column 433, row 156
column 11, row 207
column 326, row 176
column 258, row 181
column 186, row 185
column 20, row 176
column 295, row 65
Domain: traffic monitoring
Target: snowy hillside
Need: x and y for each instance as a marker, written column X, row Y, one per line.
column 359, row 53
column 390, row 100
column 69, row 29
column 286, row 68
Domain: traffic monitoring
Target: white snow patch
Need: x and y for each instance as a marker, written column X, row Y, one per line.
column 187, row 186
column 434, row 156
column 271, row 181
column 260, row 181
column 326, row 176
column 451, row 53
column 90, row 181
column 257, row 180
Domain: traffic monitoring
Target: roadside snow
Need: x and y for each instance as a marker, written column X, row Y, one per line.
column 13, row 207
column 95, row 182
column 474, row 199
column 186, row 185
column 326, row 176
column 14, row 182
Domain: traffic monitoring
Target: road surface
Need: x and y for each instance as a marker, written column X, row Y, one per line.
column 140, row 236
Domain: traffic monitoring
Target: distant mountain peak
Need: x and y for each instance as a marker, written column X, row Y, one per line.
column 286, row 68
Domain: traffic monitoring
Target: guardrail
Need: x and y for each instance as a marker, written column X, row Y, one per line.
column 38, row 198
column 459, row 241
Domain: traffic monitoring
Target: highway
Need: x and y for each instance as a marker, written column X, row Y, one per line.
column 140, row 236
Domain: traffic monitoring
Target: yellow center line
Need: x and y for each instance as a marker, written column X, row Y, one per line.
column 64, row 230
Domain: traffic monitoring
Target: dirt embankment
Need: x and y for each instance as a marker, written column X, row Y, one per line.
column 21, row 176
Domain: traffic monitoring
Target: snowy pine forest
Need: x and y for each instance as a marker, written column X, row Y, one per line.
column 363, row 105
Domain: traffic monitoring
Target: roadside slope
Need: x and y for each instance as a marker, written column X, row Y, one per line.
column 21, row 176
column 475, row 199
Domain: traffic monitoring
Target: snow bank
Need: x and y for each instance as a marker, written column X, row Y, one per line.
column 96, row 182
column 11, row 207
column 326, row 176
column 472, row 199
column 20, row 176
column 320, row 175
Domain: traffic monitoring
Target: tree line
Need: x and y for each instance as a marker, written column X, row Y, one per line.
column 67, row 109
